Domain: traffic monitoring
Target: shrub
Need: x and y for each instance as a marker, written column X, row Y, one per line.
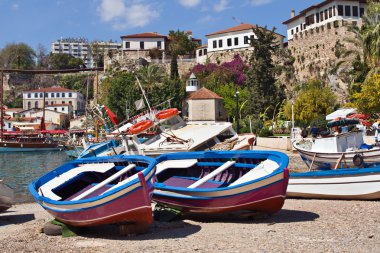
column 265, row 132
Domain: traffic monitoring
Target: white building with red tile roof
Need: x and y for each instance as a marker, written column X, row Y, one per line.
column 144, row 41
column 54, row 96
column 323, row 13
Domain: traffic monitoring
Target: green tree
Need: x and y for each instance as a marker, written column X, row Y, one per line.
column 261, row 79
column 370, row 34
column 227, row 92
column 41, row 57
column 64, row 61
column 180, row 44
column 151, row 77
column 78, row 82
column 313, row 101
column 367, row 101
column 17, row 56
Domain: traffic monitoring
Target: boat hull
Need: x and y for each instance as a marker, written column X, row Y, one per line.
column 6, row 197
column 321, row 160
column 348, row 184
column 129, row 203
column 27, row 147
column 265, row 193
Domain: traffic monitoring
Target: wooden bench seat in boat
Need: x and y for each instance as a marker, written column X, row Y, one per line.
column 178, row 164
column 46, row 190
column 105, row 181
column 204, row 179
column 261, row 170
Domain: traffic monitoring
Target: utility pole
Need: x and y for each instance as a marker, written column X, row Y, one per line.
column 237, row 110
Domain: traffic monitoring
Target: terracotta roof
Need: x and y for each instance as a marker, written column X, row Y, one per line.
column 303, row 12
column 204, row 93
column 237, row 28
column 203, row 46
column 52, row 89
column 145, row 35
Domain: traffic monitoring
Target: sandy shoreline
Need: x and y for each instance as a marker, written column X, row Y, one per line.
column 301, row 226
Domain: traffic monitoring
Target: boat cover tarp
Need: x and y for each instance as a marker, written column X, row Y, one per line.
column 340, row 113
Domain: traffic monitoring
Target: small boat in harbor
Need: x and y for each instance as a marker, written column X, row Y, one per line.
column 349, row 184
column 99, row 190
column 6, row 196
column 28, row 143
column 222, row 181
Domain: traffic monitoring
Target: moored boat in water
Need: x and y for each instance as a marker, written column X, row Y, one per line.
column 101, row 190
column 222, row 181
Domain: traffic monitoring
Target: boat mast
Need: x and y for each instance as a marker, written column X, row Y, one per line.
column 1, row 106
column 143, row 92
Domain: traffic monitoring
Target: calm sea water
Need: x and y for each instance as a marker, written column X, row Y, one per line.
column 18, row 169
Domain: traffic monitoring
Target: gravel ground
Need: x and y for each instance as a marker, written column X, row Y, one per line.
column 301, row 226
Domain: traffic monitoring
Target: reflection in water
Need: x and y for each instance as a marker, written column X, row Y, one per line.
column 18, row 169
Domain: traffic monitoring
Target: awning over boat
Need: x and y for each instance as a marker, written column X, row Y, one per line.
column 340, row 113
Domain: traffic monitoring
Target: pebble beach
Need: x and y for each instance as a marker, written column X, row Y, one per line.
column 303, row 225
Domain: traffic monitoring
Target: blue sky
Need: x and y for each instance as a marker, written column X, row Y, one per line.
column 44, row 21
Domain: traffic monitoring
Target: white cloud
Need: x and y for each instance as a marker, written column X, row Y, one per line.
column 259, row 2
column 189, row 3
column 221, row 5
column 123, row 14
column 15, row 6
column 206, row 19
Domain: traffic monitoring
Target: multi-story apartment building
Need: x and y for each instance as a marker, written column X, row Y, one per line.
column 55, row 97
column 81, row 48
column 323, row 13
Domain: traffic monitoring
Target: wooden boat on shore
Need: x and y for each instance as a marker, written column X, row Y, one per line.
column 215, row 182
column 96, row 191
column 350, row 184
column 6, row 196
column 346, row 150
column 28, row 144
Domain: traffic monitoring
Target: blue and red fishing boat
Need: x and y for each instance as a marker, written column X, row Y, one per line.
column 100, row 190
column 214, row 182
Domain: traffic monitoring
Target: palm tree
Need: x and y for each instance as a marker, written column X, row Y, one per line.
column 370, row 34
column 151, row 76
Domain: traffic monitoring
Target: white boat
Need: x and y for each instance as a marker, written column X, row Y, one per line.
column 6, row 196
column 346, row 150
column 349, row 184
column 173, row 134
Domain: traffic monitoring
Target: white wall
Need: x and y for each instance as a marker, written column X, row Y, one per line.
column 149, row 43
column 224, row 37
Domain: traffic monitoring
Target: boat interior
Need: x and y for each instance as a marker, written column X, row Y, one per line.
column 89, row 180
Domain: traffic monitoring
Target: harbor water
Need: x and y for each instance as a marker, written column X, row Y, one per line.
column 18, row 169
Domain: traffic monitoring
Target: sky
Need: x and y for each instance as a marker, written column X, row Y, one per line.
column 41, row 22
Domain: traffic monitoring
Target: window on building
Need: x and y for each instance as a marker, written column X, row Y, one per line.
column 291, row 32
column 159, row 46
column 55, row 108
column 220, row 42
column 63, row 102
column 334, row 13
column 63, row 109
column 57, row 95
column 326, row 14
column 36, row 95
column 70, row 102
column 355, row 11
column 46, row 103
column 142, row 46
column 347, row 10
column 229, row 42
column 296, row 29
column 317, row 17
column 246, row 40
column 51, row 95
column 236, row 41
column 214, row 44
column 340, row 10
column 361, row 12
column 41, row 95
column 36, row 104
column 330, row 12
column 29, row 105
column 52, row 102
column 70, row 94
column 200, row 53
column 321, row 16
column 205, row 51
column 29, row 95
column 63, row 95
